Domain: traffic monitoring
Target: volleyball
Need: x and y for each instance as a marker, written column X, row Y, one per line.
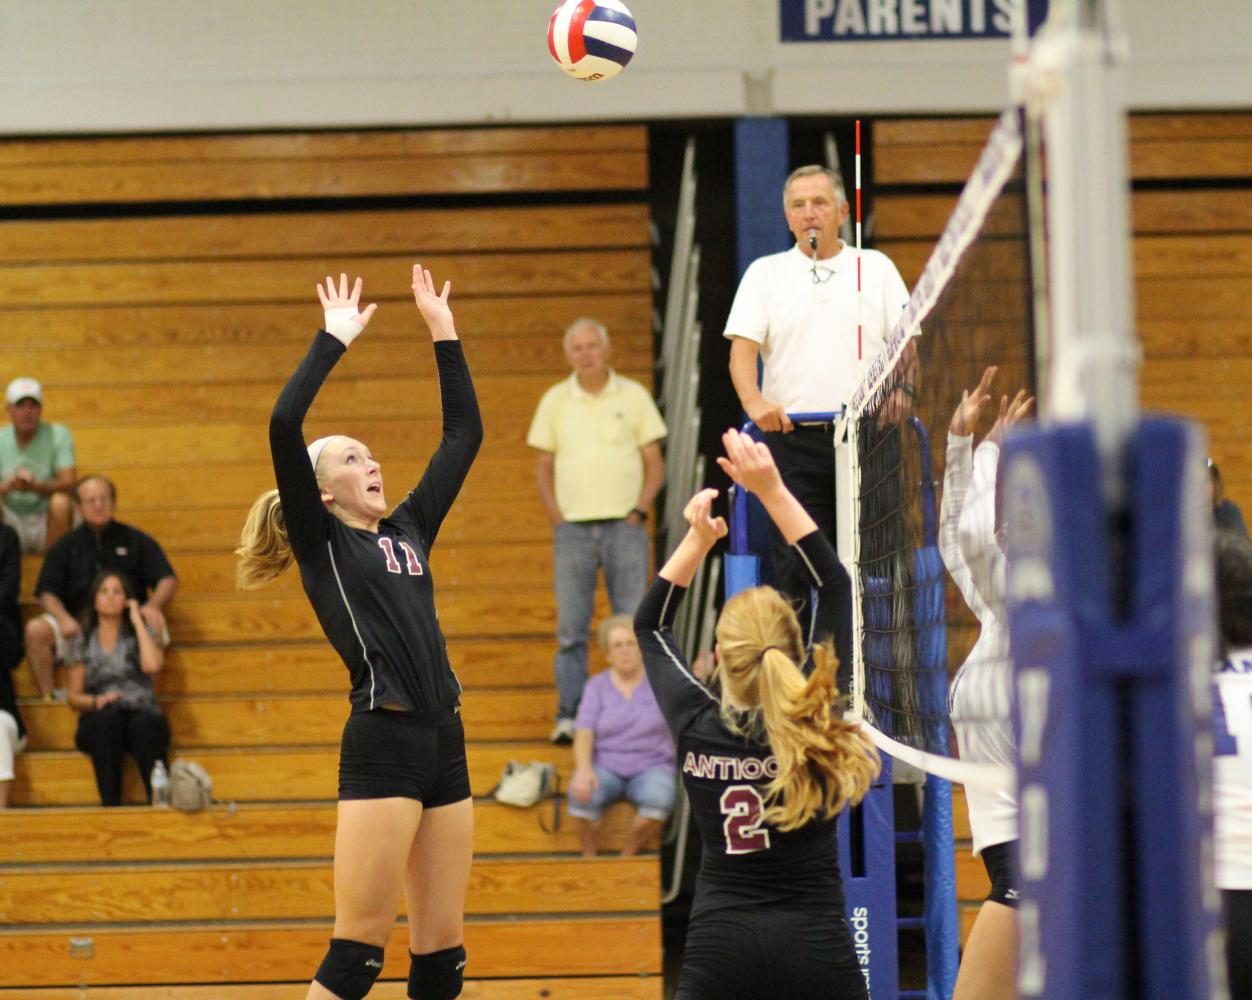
column 592, row 39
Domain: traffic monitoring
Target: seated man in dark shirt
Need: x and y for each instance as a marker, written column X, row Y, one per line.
column 97, row 544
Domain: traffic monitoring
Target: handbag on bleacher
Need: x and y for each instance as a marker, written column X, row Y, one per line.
column 525, row 784
column 191, row 788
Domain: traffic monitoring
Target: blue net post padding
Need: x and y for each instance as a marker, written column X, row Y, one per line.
column 867, row 860
column 940, row 919
column 1111, row 622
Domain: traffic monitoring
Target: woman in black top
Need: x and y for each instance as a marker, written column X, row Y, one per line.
column 405, row 814
column 767, row 765
column 12, row 731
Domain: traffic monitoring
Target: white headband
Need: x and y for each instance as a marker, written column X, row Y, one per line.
column 315, row 449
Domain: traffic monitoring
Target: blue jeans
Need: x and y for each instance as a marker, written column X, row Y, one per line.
column 652, row 792
column 582, row 548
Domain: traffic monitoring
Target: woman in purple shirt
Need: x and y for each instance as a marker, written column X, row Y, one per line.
column 622, row 746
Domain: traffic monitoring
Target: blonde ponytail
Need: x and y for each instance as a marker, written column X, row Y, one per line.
column 824, row 763
column 264, row 550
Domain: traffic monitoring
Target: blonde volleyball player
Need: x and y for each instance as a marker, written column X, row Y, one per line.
column 971, row 541
column 767, row 766
column 405, row 818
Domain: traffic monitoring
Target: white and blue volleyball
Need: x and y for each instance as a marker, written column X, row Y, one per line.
column 592, row 39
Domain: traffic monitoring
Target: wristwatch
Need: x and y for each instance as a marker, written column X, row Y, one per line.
column 641, row 514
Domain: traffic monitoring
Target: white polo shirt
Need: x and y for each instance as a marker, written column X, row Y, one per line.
column 807, row 330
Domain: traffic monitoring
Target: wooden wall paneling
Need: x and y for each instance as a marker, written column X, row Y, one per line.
column 323, row 165
column 343, row 234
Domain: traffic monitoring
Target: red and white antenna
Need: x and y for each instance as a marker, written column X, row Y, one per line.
column 858, row 241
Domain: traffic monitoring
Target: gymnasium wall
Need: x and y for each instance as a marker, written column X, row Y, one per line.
column 169, row 65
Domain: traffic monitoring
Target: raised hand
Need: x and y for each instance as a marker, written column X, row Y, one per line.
column 433, row 305
column 749, row 463
column 699, row 515
column 1011, row 412
column 344, row 319
column 965, row 416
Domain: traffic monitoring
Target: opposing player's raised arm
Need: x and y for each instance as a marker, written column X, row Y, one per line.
column 958, row 469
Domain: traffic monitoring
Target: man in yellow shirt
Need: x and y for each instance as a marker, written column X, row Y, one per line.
column 599, row 468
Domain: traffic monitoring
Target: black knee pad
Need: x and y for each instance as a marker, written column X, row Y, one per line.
column 437, row 976
column 350, row 968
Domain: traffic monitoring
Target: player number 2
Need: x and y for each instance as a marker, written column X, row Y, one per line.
column 742, row 806
column 393, row 564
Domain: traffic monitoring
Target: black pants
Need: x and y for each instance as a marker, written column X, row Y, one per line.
column 1237, row 904
column 768, row 954
column 109, row 733
column 806, row 460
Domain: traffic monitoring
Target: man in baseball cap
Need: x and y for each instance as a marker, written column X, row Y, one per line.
column 37, row 469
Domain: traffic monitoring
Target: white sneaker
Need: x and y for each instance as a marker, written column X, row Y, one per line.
column 562, row 732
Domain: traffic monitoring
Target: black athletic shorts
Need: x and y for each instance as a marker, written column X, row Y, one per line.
column 1237, row 904
column 770, row 954
column 1000, row 860
column 391, row 754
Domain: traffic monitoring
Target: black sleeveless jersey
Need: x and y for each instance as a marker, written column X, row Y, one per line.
column 373, row 593
column 745, row 862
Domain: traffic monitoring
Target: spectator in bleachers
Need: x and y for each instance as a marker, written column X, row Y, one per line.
column 622, row 746
column 109, row 680
column 599, row 468
column 36, row 469
column 99, row 543
column 1226, row 513
column 12, row 732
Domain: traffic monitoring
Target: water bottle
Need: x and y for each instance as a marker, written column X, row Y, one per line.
column 160, row 784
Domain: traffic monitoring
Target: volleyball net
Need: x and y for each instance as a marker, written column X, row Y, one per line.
column 971, row 308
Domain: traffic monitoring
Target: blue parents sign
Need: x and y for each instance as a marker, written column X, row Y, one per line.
column 901, row 20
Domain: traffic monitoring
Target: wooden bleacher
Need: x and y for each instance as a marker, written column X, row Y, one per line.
column 162, row 330
column 1192, row 246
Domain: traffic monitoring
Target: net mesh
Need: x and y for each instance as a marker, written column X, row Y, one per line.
column 972, row 308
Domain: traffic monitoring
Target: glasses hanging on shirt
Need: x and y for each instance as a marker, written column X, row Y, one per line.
column 821, row 275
